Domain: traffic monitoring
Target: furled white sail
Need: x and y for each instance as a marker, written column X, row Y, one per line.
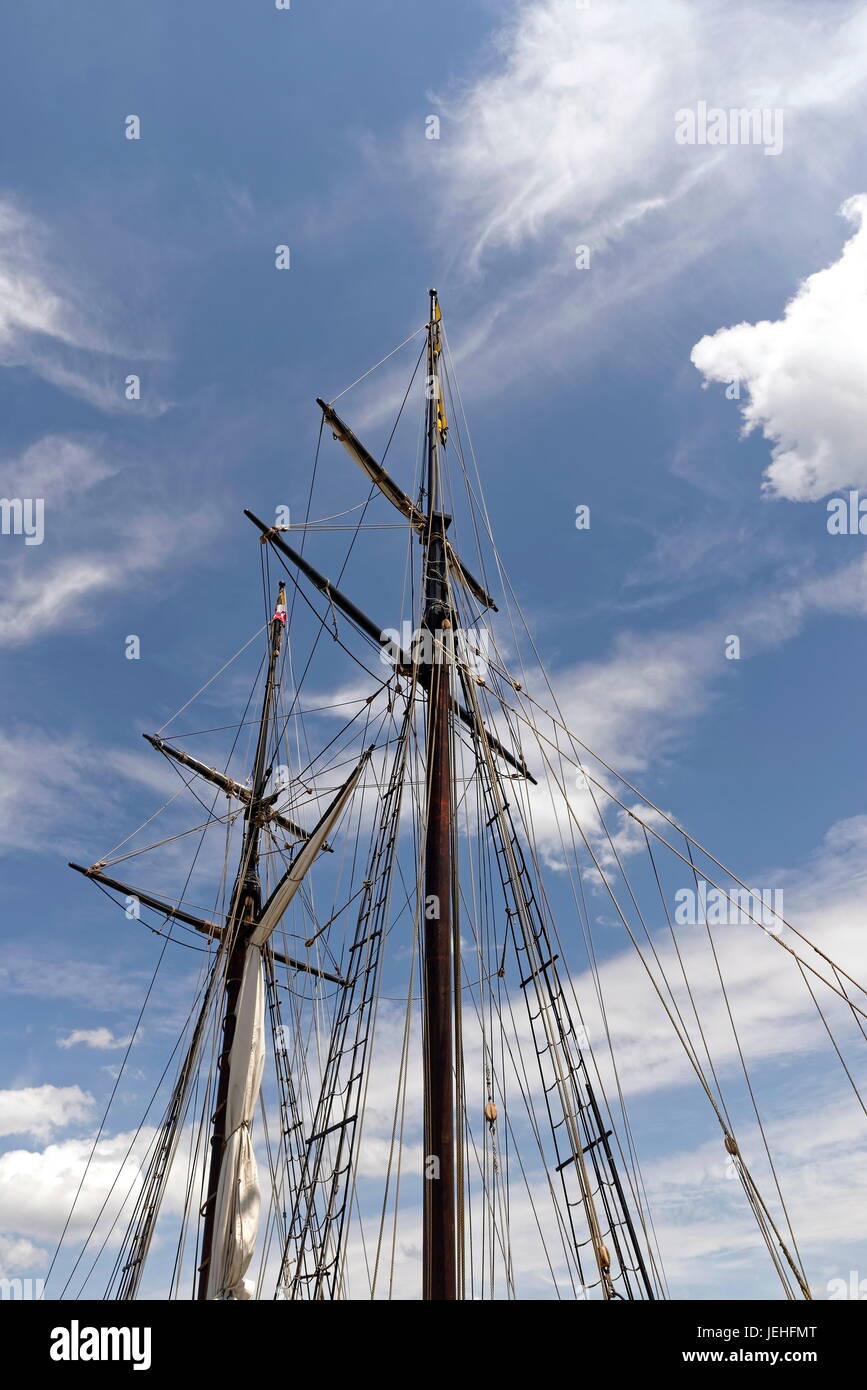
column 238, row 1200
column 238, row 1196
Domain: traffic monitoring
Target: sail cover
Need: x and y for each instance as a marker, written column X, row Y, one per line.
column 238, row 1196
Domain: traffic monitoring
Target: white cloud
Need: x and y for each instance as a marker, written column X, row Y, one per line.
column 574, row 120
column 43, row 591
column 806, row 375
column 573, row 124
column 776, row 1018
column 29, row 610
column 27, row 303
column 102, row 1039
column 635, row 705
column 54, row 468
column 39, row 1110
column 95, row 984
column 37, row 1187
column 19, row 1256
column 46, row 776
column 701, row 1217
column 48, row 321
column 567, row 138
column 704, row 1226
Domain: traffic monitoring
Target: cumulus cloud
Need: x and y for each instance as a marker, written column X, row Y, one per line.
column 40, row 1110
column 102, row 1039
column 806, row 375
column 18, row 1255
column 37, row 1187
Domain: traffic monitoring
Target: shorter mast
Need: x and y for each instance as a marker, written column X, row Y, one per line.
column 237, row 1202
column 246, row 901
column 231, row 1210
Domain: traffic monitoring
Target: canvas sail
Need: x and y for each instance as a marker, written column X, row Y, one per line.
column 238, row 1194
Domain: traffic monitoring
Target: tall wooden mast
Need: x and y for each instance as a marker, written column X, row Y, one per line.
column 246, row 904
column 439, row 1253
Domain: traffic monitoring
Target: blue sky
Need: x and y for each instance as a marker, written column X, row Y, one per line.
column 156, row 257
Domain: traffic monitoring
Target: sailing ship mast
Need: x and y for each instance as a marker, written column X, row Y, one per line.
column 231, row 1207
column 599, row 1217
column 246, row 905
column 440, row 941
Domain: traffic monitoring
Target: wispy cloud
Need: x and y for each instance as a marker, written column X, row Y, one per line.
column 775, row 1015
column 49, row 322
column 49, row 776
column 703, row 1224
column 49, row 585
column 101, row 985
column 566, row 139
column 638, row 702
column 55, row 467
column 572, row 125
